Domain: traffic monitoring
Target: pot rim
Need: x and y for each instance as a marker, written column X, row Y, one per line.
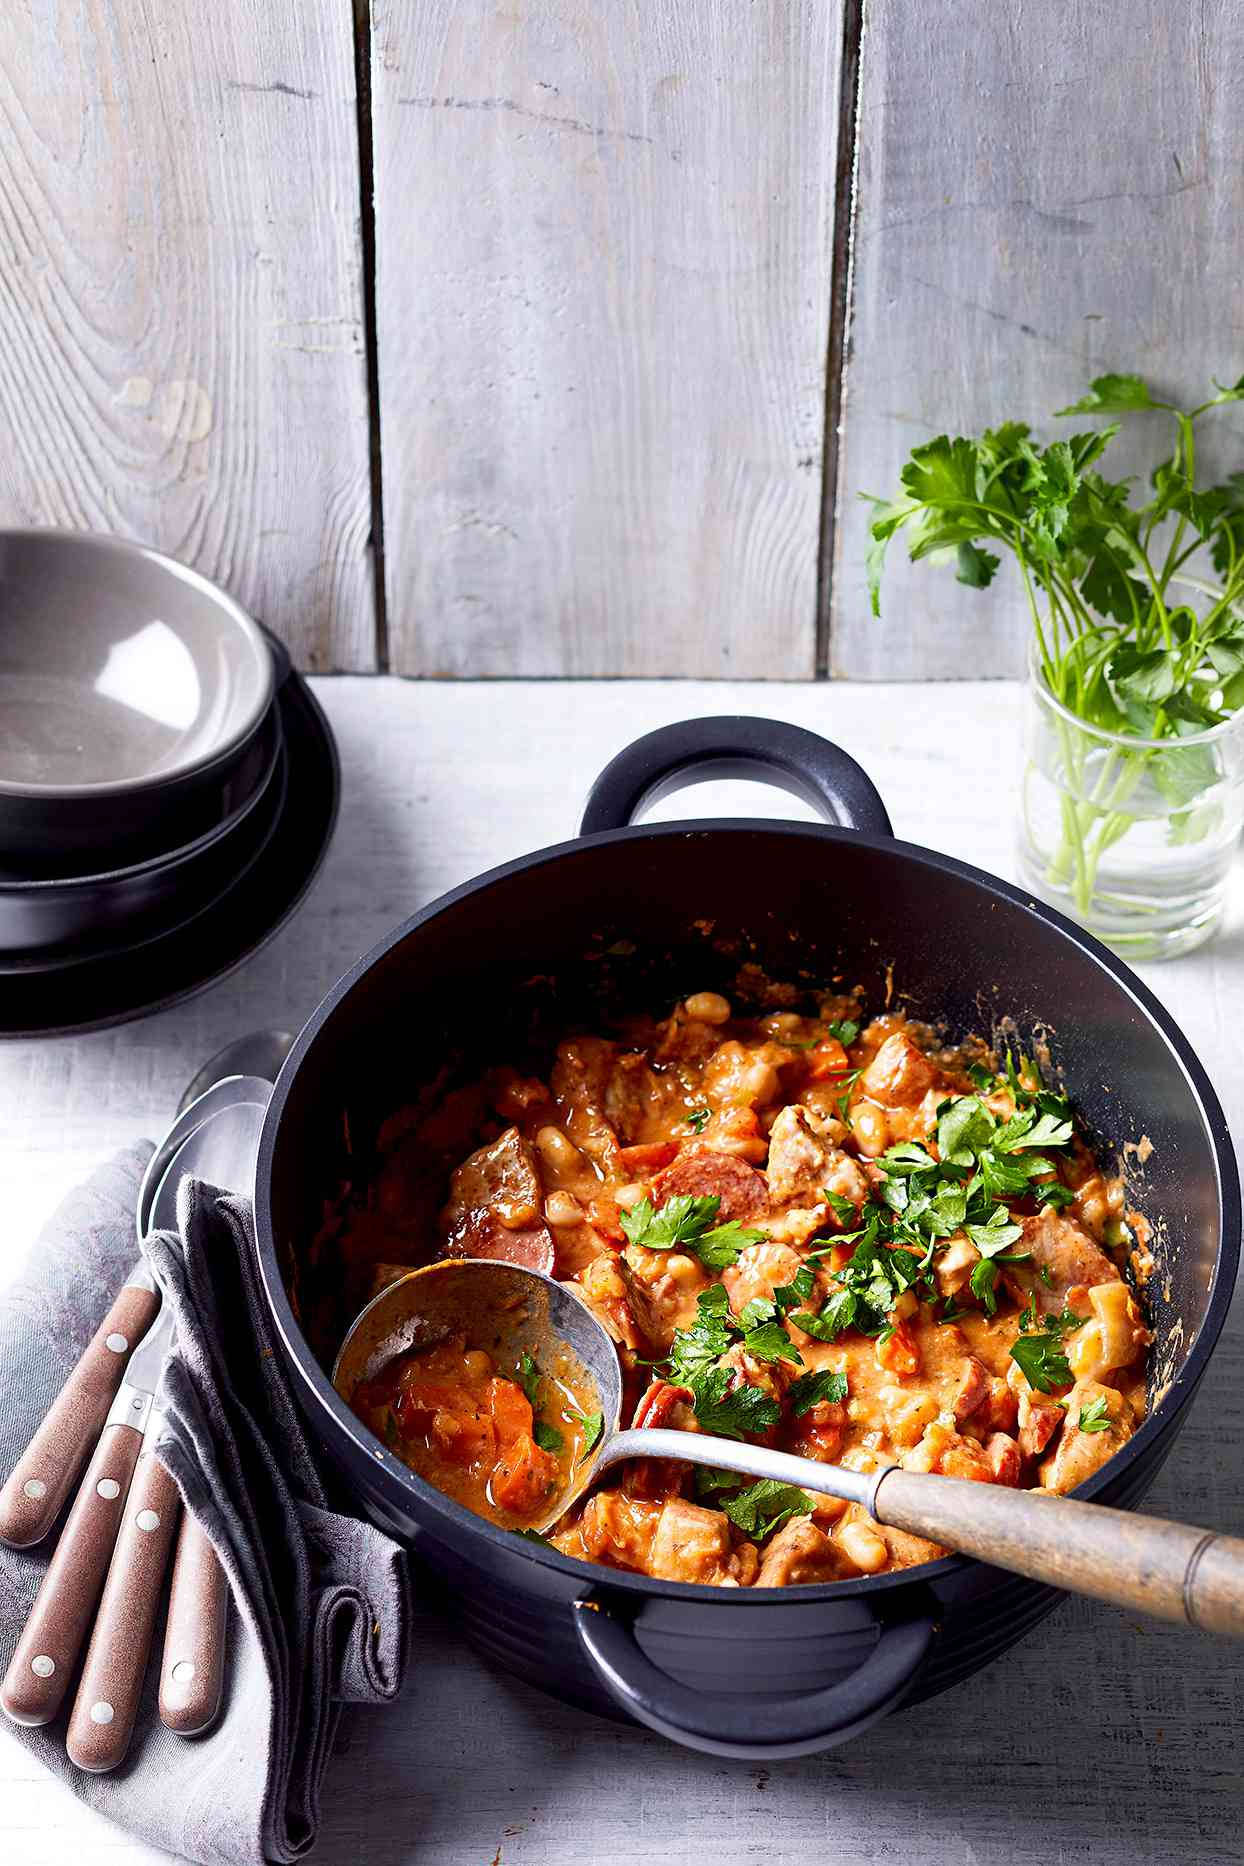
column 402, row 1484
column 216, row 752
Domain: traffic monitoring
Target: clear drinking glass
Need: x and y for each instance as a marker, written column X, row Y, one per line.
column 1134, row 838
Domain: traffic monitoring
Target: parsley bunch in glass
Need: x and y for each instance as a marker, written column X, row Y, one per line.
column 1135, row 603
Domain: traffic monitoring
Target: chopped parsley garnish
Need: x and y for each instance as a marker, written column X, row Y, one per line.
column 696, row 1351
column 529, row 1378
column 810, row 1389
column 732, row 1411
column 591, row 1424
column 700, row 1347
column 720, row 1247
column 699, row 1119
column 759, row 1508
column 769, row 1341
column 547, row 1437
column 1042, row 1362
column 845, row 1029
column 1061, row 1323
column 685, row 1223
column 841, row 1207
column 1095, row 1417
column 532, row 1535
column 866, row 1287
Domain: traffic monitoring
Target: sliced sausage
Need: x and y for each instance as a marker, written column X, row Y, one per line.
column 671, row 1408
column 495, row 1201
column 530, row 1250
column 704, row 1174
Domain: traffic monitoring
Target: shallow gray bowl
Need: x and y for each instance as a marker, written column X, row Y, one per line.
column 129, row 685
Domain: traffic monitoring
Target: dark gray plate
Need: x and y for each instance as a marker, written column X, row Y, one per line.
column 118, row 987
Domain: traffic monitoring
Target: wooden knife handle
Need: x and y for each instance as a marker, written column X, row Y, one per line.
column 102, row 1720
column 1172, row 1570
column 193, row 1668
column 56, row 1626
column 32, row 1497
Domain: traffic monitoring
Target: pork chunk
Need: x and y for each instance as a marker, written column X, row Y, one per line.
column 695, row 1544
column 1065, row 1251
column 803, row 1163
column 800, row 1554
column 899, row 1075
column 1078, row 1454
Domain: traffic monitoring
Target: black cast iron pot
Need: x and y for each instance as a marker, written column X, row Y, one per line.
column 635, row 916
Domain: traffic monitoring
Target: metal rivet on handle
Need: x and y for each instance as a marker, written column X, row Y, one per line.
column 117, row 1343
column 183, row 1671
column 148, row 1520
column 42, row 1666
column 101, row 1712
column 108, row 1488
column 34, row 1488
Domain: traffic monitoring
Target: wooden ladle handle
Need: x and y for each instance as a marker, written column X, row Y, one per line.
column 1179, row 1573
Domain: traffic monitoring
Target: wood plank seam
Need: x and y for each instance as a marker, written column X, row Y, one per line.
column 838, row 340
column 367, row 245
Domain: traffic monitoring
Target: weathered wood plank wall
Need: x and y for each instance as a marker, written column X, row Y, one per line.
column 606, row 276
column 1042, row 195
column 181, row 297
column 603, row 242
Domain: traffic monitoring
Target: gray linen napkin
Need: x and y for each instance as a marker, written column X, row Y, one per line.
column 319, row 1610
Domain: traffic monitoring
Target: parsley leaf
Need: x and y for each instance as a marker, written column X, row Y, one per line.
column 696, row 1349
column 770, row 1342
column 764, row 1506
column 839, row 1205
column 996, row 1234
column 1095, row 1417
column 699, row 1119
column 810, row 1389
column 720, row 1247
column 964, row 1127
column 680, row 1221
column 845, row 1029
column 529, row 1378
column 685, row 1223
column 732, row 1412
column 1042, row 1362
column 801, row 1287
column 592, row 1424
column 547, row 1437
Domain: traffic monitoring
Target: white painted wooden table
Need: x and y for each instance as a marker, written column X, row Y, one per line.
column 1098, row 1740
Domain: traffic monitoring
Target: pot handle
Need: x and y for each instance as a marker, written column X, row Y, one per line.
column 755, row 1728
column 696, row 750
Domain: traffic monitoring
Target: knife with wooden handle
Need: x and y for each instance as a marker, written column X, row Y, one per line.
column 36, row 1489
column 51, row 1640
column 102, row 1720
column 192, row 1672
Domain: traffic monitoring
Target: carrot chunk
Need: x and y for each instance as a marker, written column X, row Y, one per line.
column 524, row 1476
column 511, row 1411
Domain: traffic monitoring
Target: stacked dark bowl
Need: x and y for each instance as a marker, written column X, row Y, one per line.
column 142, row 754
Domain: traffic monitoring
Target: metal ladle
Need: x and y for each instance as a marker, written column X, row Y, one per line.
column 1192, row 1576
